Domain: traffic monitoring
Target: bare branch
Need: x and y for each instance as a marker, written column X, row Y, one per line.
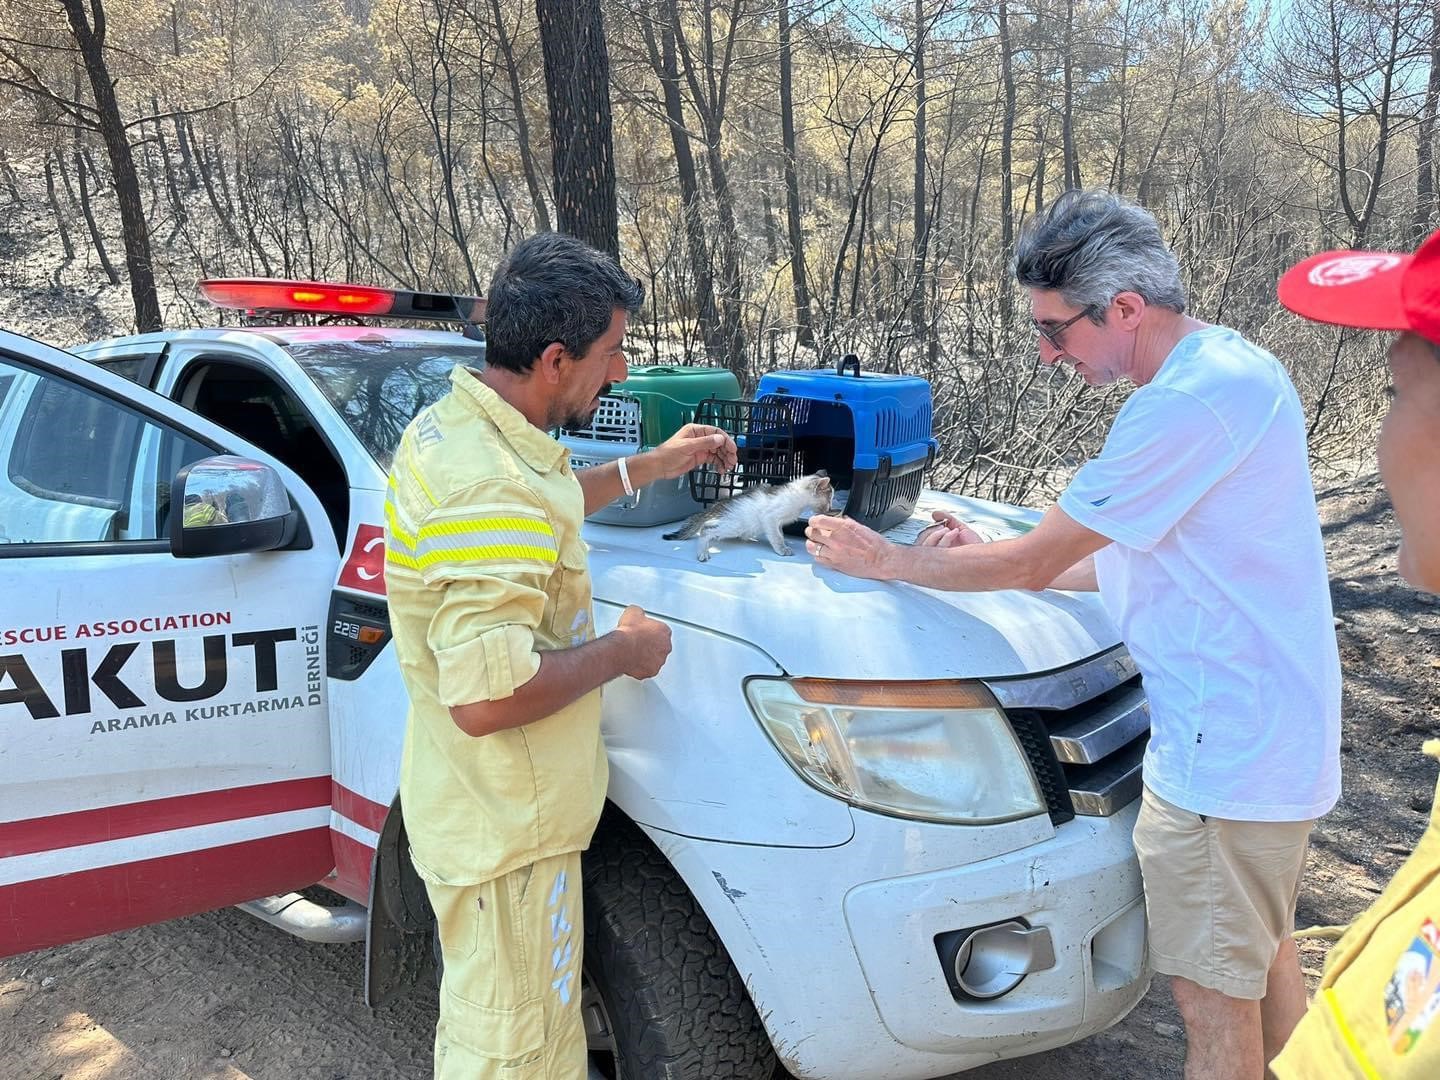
column 43, row 46
column 37, row 88
column 199, row 109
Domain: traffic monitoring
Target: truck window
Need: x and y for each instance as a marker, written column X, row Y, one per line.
column 379, row 386
column 73, row 446
column 127, row 367
column 82, row 468
column 262, row 411
column 137, row 367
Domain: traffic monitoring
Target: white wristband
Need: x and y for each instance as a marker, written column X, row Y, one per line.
column 624, row 476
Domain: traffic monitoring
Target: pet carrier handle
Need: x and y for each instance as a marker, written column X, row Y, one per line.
column 849, row 360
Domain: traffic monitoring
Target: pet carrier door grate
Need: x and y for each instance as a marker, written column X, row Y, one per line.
column 764, row 434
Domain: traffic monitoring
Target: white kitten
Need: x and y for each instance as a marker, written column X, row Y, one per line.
column 758, row 513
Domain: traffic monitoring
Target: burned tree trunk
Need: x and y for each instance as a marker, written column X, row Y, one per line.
column 1424, row 215
column 697, row 248
column 577, row 84
column 172, row 187
column 135, row 231
column 708, row 78
column 58, row 211
column 1067, row 112
column 805, row 333
column 11, row 180
column 921, row 203
column 522, row 125
column 96, row 239
column 1007, row 145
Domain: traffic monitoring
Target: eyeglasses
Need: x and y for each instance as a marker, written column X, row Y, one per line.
column 1052, row 333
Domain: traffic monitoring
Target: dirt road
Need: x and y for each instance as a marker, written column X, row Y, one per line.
column 224, row 997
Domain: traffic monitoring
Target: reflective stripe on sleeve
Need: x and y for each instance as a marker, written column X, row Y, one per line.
column 497, row 539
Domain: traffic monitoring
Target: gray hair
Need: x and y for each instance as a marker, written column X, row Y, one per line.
column 552, row 287
column 1090, row 246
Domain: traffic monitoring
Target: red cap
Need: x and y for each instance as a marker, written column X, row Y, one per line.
column 1372, row 290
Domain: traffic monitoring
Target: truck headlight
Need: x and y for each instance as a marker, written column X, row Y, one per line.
column 937, row 751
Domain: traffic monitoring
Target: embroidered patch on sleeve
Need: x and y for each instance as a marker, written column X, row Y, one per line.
column 1412, row 997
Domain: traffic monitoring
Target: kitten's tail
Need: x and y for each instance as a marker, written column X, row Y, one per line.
column 685, row 532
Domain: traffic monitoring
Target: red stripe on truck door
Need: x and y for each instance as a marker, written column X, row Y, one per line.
column 51, row 911
column 358, row 808
column 160, row 815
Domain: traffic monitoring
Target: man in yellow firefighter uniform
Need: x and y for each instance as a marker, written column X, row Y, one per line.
column 503, row 774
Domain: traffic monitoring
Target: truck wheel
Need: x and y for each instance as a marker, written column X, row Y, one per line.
column 661, row 999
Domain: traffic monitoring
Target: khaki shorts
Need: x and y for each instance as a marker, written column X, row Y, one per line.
column 1219, row 894
column 510, row 995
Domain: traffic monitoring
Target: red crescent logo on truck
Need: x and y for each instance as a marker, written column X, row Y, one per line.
column 365, row 568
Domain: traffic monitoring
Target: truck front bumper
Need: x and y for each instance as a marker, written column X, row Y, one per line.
column 838, row 946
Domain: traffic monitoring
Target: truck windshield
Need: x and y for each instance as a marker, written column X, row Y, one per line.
column 378, row 386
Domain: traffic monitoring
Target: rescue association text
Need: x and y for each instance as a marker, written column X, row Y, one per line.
column 202, row 712
column 148, row 624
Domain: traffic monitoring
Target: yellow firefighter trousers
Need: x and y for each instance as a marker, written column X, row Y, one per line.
column 510, row 994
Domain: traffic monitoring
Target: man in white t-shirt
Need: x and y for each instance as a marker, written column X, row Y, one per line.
column 1197, row 524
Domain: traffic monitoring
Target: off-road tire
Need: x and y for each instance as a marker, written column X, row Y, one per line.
column 677, row 1007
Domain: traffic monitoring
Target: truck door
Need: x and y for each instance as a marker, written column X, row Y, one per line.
column 163, row 740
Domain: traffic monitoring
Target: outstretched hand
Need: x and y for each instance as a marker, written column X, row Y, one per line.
column 844, row 544
column 692, row 446
column 947, row 532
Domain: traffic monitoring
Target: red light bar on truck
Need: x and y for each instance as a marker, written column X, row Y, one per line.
column 324, row 298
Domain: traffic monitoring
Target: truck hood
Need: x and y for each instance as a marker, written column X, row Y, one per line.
column 818, row 622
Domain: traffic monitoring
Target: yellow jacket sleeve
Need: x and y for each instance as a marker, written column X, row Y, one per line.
column 490, row 551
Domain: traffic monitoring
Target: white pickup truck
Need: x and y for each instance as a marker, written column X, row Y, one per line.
column 866, row 829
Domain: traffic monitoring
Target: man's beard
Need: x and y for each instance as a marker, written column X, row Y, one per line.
column 573, row 421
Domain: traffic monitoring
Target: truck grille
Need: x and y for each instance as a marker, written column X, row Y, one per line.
column 1084, row 730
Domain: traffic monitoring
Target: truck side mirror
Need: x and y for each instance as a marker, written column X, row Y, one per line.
column 227, row 505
